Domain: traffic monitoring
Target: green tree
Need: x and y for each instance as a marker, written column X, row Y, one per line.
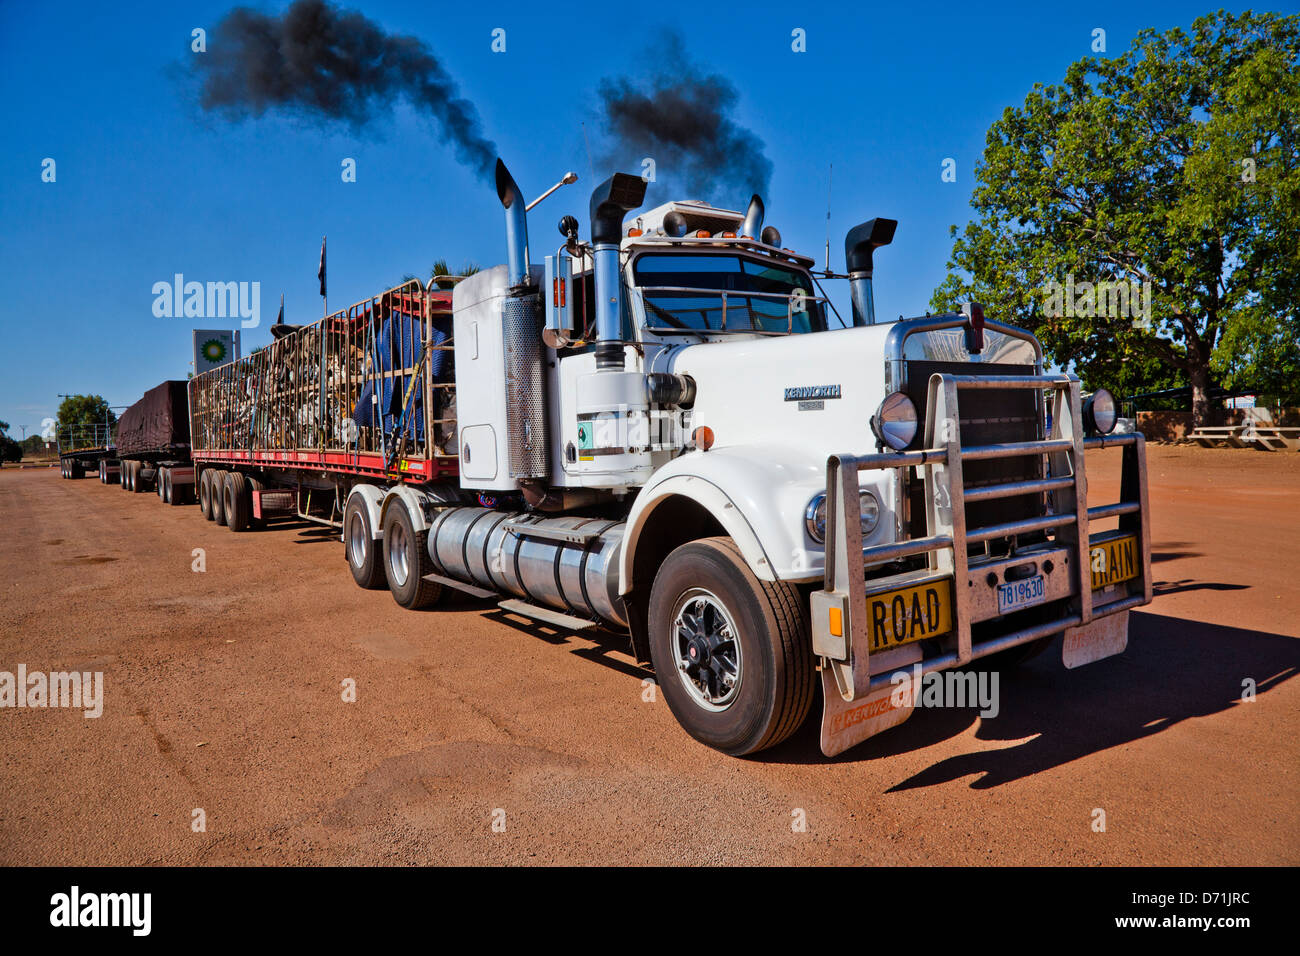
column 441, row 269
column 1176, row 165
column 85, row 410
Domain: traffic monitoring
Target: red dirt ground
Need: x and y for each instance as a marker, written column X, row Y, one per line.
column 223, row 692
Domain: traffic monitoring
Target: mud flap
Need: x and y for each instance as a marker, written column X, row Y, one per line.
column 1103, row 637
column 847, row 723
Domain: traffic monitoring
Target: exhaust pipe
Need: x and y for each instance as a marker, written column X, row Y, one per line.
column 610, row 202
column 753, row 224
column 512, row 198
column 859, row 245
column 521, row 339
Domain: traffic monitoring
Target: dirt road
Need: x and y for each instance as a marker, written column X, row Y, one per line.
column 224, row 694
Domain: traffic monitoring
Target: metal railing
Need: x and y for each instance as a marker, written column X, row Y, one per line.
column 90, row 437
column 303, row 390
column 945, row 545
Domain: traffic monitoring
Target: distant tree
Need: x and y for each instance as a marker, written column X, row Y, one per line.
column 10, row 450
column 1175, row 163
column 85, row 410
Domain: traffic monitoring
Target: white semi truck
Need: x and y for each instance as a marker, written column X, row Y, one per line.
column 664, row 429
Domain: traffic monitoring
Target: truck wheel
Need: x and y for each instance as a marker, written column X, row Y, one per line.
column 406, row 561
column 236, row 502
column 364, row 558
column 218, row 497
column 205, row 493
column 731, row 653
column 161, row 481
column 102, row 479
column 137, row 477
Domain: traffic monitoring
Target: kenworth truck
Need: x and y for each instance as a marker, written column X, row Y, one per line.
column 661, row 429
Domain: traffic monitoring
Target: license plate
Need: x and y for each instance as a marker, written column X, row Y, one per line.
column 909, row 614
column 1114, row 561
column 1018, row 594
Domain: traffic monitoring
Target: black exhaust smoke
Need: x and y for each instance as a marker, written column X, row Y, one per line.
column 328, row 64
column 682, row 119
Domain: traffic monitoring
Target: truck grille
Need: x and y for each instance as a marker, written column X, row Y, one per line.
column 988, row 417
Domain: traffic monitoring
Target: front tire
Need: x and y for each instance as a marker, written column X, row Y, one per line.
column 365, row 557
column 406, row 561
column 732, row 653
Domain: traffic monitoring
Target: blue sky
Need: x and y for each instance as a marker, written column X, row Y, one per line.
column 148, row 185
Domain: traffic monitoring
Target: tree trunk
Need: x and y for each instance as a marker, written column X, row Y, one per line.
column 1199, row 374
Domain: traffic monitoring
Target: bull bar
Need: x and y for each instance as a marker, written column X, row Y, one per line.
column 847, row 654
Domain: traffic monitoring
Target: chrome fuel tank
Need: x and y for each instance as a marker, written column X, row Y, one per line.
column 566, row 563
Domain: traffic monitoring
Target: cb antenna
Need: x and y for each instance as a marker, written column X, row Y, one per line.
column 830, row 175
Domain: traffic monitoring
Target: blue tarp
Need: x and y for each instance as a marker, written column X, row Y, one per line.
column 398, row 346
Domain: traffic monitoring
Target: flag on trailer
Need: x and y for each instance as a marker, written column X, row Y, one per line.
column 320, row 273
column 214, row 348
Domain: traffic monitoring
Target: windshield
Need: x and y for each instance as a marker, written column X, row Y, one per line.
column 720, row 292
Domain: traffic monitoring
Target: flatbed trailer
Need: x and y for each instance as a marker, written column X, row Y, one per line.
column 362, row 397
column 85, row 448
column 153, row 445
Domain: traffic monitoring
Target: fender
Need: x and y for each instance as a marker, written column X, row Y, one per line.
column 757, row 494
column 415, row 505
column 373, row 499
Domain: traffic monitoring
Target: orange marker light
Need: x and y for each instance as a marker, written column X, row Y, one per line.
column 633, row 233
column 703, row 437
column 837, row 622
column 702, row 234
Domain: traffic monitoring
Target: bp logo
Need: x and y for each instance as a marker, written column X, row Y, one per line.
column 213, row 350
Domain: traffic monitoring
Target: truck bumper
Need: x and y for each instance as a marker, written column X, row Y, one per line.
column 875, row 638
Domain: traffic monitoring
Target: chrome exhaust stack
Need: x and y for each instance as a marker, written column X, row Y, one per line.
column 512, row 199
column 521, row 338
column 610, row 202
column 753, row 224
column 859, row 245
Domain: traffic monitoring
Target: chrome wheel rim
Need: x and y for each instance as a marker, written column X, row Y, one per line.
column 397, row 559
column 357, row 540
column 706, row 646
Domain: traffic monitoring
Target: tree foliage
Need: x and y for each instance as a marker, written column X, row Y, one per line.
column 1176, row 165
column 85, row 410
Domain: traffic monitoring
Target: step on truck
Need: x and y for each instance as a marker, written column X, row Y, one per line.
column 665, row 429
column 153, row 446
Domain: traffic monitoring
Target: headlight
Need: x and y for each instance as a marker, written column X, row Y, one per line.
column 895, row 421
column 815, row 515
column 1099, row 413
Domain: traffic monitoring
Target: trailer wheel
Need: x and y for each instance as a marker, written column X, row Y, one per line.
column 138, row 484
column 161, row 482
column 218, row 497
column 732, row 653
column 205, row 493
column 102, row 479
column 237, row 503
column 406, row 560
column 364, row 558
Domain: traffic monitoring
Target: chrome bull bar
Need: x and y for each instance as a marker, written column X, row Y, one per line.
column 845, row 651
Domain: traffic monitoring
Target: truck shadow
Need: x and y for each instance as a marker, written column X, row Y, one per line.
column 1173, row 670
